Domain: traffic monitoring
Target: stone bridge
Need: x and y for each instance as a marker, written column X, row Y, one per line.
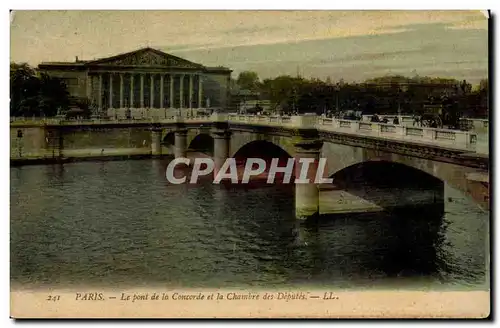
column 405, row 157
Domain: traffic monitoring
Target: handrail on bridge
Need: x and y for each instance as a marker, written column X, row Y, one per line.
column 454, row 138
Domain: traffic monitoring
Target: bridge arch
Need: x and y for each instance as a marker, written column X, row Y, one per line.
column 384, row 173
column 261, row 149
column 203, row 143
column 266, row 151
column 388, row 185
column 453, row 175
column 240, row 139
column 169, row 141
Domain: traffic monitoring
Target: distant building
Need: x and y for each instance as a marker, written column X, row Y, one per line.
column 145, row 78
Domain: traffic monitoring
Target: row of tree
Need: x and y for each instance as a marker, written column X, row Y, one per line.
column 35, row 94
column 383, row 95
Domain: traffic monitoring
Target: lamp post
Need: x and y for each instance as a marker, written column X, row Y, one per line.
column 403, row 89
column 337, row 91
column 399, row 102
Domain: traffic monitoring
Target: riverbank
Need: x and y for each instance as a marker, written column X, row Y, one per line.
column 42, row 161
column 16, row 162
column 84, row 155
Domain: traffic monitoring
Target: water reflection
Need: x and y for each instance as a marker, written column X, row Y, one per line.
column 121, row 223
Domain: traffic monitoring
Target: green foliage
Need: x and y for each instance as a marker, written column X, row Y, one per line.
column 248, row 80
column 33, row 94
column 383, row 95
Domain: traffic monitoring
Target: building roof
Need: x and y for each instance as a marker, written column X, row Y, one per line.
column 141, row 57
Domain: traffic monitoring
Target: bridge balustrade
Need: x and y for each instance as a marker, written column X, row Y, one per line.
column 445, row 135
column 458, row 139
column 455, row 138
column 419, row 132
column 387, row 129
column 365, row 126
column 345, row 124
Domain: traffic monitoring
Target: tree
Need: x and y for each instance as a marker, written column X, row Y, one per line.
column 35, row 94
column 465, row 87
column 383, row 95
column 283, row 91
column 24, row 88
column 248, row 80
column 86, row 106
column 54, row 96
column 482, row 99
column 483, row 85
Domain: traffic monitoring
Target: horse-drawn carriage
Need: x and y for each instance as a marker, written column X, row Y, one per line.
column 438, row 116
column 430, row 116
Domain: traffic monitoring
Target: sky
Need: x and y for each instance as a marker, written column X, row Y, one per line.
column 348, row 45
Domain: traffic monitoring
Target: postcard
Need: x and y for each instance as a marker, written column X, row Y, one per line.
column 249, row 164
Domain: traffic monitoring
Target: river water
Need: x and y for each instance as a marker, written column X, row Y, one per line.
column 121, row 224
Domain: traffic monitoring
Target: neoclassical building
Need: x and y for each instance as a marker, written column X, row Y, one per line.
column 144, row 79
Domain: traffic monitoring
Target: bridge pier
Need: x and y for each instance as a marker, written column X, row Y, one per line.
column 478, row 186
column 156, row 141
column 180, row 143
column 221, row 147
column 307, row 191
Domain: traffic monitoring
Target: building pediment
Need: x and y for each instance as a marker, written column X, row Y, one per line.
column 146, row 57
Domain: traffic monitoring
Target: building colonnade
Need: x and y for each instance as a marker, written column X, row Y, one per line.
column 145, row 90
